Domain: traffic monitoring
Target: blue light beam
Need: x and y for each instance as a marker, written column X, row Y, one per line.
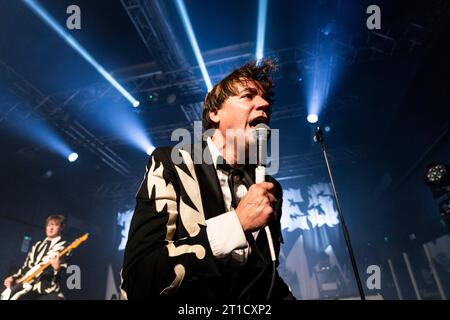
column 131, row 130
column 319, row 85
column 192, row 39
column 37, row 131
column 261, row 29
column 44, row 15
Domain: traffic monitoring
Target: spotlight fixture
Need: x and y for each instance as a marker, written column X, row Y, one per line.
column 150, row 150
column 72, row 157
column 312, row 118
column 437, row 177
column 437, row 174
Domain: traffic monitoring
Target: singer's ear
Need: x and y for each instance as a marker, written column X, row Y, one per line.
column 214, row 116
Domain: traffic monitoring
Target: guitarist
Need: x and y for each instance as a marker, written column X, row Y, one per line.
column 47, row 285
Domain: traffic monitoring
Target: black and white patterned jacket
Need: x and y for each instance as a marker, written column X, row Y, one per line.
column 49, row 281
column 168, row 252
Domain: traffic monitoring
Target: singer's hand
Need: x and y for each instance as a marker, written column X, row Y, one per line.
column 255, row 208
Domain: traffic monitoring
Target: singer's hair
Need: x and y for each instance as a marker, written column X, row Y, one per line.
column 58, row 218
column 259, row 73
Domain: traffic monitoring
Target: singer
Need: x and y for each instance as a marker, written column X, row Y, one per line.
column 197, row 232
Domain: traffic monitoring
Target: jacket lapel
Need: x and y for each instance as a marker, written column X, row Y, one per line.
column 212, row 198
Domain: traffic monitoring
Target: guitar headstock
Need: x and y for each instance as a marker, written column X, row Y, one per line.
column 79, row 241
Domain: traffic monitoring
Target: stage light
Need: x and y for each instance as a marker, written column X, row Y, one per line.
column 312, row 118
column 437, row 174
column 44, row 15
column 146, row 99
column 42, row 135
column 131, row 129
column 72, row 157
column 261, row 29
column 153, row 97
column 324, row 69
column 192, row 39
column 327, row 129
column 150, row 150
column 136, row 135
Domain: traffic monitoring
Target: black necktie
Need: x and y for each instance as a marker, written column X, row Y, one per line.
column 46, row 247
column 236, row 177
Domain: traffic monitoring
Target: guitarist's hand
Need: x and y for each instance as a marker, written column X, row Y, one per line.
column 8, row 282
column 55, row 262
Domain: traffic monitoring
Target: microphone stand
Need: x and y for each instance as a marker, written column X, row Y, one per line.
column 318, row 138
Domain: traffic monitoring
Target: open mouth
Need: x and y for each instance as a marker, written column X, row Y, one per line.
column 257, row 121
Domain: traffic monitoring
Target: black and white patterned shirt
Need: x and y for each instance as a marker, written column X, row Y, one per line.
column 42, row 252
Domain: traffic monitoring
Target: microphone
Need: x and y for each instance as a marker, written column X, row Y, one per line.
column 262, row 135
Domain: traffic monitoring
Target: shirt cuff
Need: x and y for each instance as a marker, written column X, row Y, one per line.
column 225, row 234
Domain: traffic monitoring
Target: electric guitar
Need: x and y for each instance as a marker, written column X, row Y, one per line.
column 24, row 284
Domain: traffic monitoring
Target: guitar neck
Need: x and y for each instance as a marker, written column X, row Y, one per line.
column 42, row 268
column 66, row 250
column 60, row 254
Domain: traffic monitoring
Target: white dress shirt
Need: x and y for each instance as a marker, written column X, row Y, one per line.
column 225, row 234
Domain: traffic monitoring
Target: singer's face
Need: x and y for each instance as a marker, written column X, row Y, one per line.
column 242, row 112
